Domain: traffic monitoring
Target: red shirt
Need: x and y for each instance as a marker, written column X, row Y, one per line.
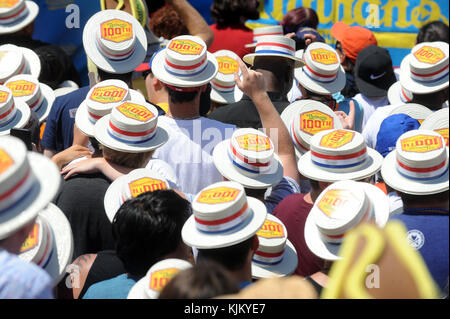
column 233, row 38
column 293, row 211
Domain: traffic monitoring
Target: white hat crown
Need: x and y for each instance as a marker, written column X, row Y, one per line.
column 224, row 81
column 140, row 181
column 26, row 88
column 8, row 109
column 275, row 30
column 12, row 11
column 429, row 62
column 322, row 63
column 12, row 62
column 272, row 238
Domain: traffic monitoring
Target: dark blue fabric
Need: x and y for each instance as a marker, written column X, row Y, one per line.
column 58, row 134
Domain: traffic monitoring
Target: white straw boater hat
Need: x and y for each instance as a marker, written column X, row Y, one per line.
column 223, row 216
column 339, row 155
column 397, row 94
column 158, row 276
column 50, row 243
column 17, row 60
column 223, row 87
column 131, row 185
column 38, row 96
column 322, row 72
column 13, row 113
column 339, row 208
column 248, row 158
column 418, row 165
column 131, row 127
column 275, row 256
column 438, row 122
column 265, row 31
column 115, row 41
column 425, row 69
column 274, row 45
column 184, row 63
column 416, row 111
column 28, row 182
column 304, row 119
column 100, row 100
column 16, row 14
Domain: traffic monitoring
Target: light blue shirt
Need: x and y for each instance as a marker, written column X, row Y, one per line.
column 22, row 280
column 114, row 288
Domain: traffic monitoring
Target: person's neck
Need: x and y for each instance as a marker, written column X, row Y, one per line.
column 311, row 197
column 189, row 110
column 242, row 275
column 271, row 81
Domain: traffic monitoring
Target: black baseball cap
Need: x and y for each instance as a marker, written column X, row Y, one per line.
column 374, row 73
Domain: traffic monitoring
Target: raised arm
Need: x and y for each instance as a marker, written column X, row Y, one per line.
column 254, row 86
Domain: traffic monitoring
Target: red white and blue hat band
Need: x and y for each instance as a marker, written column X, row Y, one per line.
column 111, row 55
column 222, row 88
column 35, row 106
column 430, row 77
column 15, row 17
column 8, row 116
column 403, row 96
column 268, row 259
column 226, row 224
column 245, row 163
column 93, row 118
column 16, row 194
column 274, row 48
column 317, row 76
column 130, row 137
column 256, row 37
column 339, row 161
column 422, row 174
column 296, row 140
column 185, row 70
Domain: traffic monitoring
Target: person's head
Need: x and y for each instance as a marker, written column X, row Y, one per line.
column 280, row 72
column 148, row 229
column 125, row 77
column 433, row 31
column 180, row 96
column 166, row 23
column 156, row 90
column 326, row 99
column 234, row 12
column 298, row 18
column 203, row 281
column 433, row 200
column 433, row 101
column 130, row 160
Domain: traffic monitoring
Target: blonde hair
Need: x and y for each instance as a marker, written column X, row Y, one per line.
column 130, row 160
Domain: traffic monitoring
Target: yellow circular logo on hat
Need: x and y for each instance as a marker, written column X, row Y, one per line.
column 227, row 65
column 444, row 134
column 336, row 202
column 430, row 55
column 8, row 3
column 324, row 56
column 32, row 239
column 271, row 229
column 337, row 139
column 3, row 96
column 108, row 94
column 421, row 143
column 186, row 47
column 315, row 121
column 21, row 88
column 145, row 184
column 5, row 161
column 116, row 30
column 254, row 142
column 218, row 195
column 135, row 111
column 160, row 278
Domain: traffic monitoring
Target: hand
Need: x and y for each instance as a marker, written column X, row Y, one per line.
column 252, row 83
column 309, row 38
column 347, row 121
column 89, row 166
column 69, row 154
column 290, row 35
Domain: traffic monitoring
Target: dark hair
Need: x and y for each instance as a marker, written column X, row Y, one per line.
column 95, row 144
column 230, row 12
column 433, row 31
column 205, row 280
column 148, row 227
column 154, row 5
column 412, row 200
column 257, row 193
column 431, row 100
column 298, row 18
column 282, row 69
column 314, row 185
column 181, row 97
column 167, row 23
column 56, row 66
column 231, row 257
column 126, row 77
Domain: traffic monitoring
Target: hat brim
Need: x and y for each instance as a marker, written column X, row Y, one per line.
column 112, row 198
column 370, row 167
column 48, row 182
column 102, row 62
column 250, row 58
column 101, row 134
column 34, row 63
column 416, row 111
column 330, row 251
column 33, row 11
column 285, row 268
column 436, row 121
column 394, row 94
column 21, row 118
column 258, row 181
column 321, row 88
column 201, row 240
column 47, row 103
column 226, row 98
column 416, row 87
column 63, row 91
column 138, row 290
column 62, row 231
column 402, row 184
column 209, row 73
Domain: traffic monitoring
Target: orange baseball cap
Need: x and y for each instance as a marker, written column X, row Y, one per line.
column 353, row 39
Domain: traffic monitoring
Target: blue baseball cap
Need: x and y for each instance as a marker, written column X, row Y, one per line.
column 391, row 129
column 301, row 32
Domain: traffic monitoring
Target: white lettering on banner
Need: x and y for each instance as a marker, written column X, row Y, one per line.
column 73, row 19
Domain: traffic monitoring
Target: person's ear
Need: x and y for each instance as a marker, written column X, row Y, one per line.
column 157, row 84
column 255, row 244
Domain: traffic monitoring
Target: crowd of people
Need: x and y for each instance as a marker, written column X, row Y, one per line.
column 260, row 163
